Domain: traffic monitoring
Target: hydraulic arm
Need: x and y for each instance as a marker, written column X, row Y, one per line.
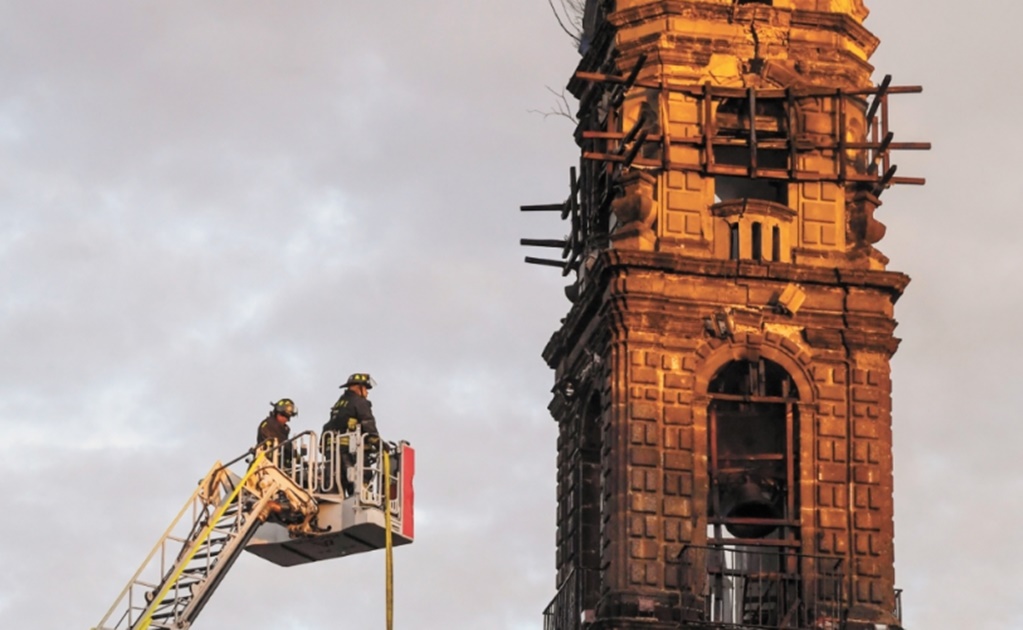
column 288, row 507
column 184, row 568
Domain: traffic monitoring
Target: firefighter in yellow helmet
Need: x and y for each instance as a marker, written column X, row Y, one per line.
column 274, row 429
column 353, row 411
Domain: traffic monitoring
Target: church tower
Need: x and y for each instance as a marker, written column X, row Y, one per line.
column 722, row 381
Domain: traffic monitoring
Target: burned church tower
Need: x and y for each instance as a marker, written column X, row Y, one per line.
column 722, row 382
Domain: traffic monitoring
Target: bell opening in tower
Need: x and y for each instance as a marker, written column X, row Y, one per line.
column 752, row 135
column 753, row 455
column 751, row 573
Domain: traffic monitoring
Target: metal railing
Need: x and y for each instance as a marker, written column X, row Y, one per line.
column 319, row 464
column 774, row 589
column 573, row 606
column 898, row 605
column 563, row 611
column 738, row 587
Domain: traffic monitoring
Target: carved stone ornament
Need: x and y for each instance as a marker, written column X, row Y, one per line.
column 863, row 226
column 635, row 211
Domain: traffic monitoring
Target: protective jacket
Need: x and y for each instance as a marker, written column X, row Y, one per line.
column 351, row 412
column 271, row 429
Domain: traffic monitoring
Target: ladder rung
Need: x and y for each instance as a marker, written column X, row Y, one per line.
column 185, row 594
column 159, row 616
column 217, row 541
column 194, row 570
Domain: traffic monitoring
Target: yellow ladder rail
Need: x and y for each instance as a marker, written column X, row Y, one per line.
column 388, row 541
column 156, row 548
column 147, row 619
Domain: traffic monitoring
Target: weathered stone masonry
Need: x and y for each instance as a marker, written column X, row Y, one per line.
column 722, row 381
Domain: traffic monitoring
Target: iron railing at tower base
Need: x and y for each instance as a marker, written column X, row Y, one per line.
column 739, row 587
column 566, row 610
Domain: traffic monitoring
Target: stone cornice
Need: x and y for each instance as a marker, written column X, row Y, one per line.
column 596, row 303
column 890, row 282
column 789, row 20
column 653, row 10
column 839, row 23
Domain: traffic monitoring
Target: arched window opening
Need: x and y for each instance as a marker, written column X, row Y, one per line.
column 733, row 241
column 753, row 503
column 589, row 484
column 775, row 243
column 753, row 453
column 757, row 240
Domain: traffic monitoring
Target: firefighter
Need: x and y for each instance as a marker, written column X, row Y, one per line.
column 352, row 412
column 274, row 428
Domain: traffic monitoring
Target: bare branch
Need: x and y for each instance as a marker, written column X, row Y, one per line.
column 561, row 108
column 576, row 36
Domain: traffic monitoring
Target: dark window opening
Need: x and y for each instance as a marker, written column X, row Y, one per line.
column 761, row 143
column 740, row 156
column 589, row 499
column 753, row 453
column 749, row 378
column 775, row 244
column 733, row 241
column 751, row 573
column 772, row 125
column 727, row 188
column 757, row 241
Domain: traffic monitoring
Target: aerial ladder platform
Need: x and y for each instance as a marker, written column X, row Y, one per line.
column 282, row 502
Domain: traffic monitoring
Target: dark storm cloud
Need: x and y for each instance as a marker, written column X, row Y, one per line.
column 207, row 206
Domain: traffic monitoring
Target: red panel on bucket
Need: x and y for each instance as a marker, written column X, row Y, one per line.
column 408, row 470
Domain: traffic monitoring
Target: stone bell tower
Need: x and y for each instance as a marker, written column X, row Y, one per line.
column 722, row 379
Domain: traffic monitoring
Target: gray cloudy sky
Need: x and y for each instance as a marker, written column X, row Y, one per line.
column 208, row 205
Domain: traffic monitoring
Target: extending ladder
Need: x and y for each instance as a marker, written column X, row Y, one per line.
column 187, row 564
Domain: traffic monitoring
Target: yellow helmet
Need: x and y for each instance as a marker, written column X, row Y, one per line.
column 285, row 407
column 360, row 378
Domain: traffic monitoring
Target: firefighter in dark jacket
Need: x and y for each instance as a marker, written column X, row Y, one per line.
column 353, row 411
column 274, row 428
